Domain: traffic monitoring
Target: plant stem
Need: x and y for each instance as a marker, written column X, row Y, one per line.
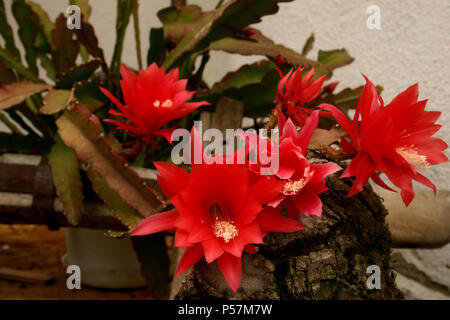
column 137, row 32
column 32, row 106
column 219, row 3
column 16, row 65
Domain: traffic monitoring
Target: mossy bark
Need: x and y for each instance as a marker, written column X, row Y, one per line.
column 327, row 260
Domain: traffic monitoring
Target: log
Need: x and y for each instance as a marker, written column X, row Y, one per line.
column 327, row 260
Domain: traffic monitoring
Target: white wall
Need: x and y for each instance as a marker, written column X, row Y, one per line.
column 413, row 44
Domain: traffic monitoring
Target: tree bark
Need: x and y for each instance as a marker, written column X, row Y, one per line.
column 327, row 260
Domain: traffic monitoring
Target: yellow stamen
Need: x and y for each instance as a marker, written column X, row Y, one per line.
column 167, row 104
column 416, row 160
column 293, row 187
column 156, row 103
column 223, row 227
column 225, row 230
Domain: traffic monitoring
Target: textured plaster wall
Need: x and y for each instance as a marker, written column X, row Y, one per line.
column 413, row 44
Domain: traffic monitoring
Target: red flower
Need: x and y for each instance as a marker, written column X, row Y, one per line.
column 302, row 181
column 331, row 87
column 294, row 91
column 152, row 99
column 280, row 60
column 219, row 213
column 395, row 139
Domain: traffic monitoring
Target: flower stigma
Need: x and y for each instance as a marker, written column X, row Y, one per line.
column 222, row 227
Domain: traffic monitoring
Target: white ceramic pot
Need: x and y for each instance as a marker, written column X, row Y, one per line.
column 104, row 262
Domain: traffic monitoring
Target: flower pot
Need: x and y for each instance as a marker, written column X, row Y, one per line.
column 104, row 262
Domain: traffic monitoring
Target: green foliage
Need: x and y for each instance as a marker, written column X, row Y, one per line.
column 89, row 94
column 15, row 93
column 87, row 37
column 6, row 32
column 27, row 32
column 271, row 50
column 178, row 22
column 246, row 75
column 257, row 97
column 223, row 22
column 124, row 10
column 77, row 73
column 7, row 74
column 308, row 44
column 156, row 52
column 332, row 59
column 81, row 130
column 46, row 25
column 66, row 48
column 129, row 216
column 56, row 100
column 11, row 61
column 66, row 177
column 137, row 32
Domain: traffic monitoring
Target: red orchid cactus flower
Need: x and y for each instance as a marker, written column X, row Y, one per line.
column 152, row 99
column 218, row 213
column 329, row 88
column 294, row 91
column 302, row 181
column 395, row 139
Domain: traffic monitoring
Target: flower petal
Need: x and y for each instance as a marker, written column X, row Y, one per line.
column 270, row 221
column 181, row 238
column 292, row 210
column 281, row 119
column 308, row 203
column 166, row 133
column 191, row 256
column 266, row 189
column 342, row 119
column 321, row 171
column 171, row 178
column 231, row 268
column 425, row 181
column 401, row 180
column 250, row 249
column 307, row 131
column 364, row 171
column 156, row 223
column 213, row 249
column 376, row 178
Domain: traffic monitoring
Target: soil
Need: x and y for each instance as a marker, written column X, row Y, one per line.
column 35, row 248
